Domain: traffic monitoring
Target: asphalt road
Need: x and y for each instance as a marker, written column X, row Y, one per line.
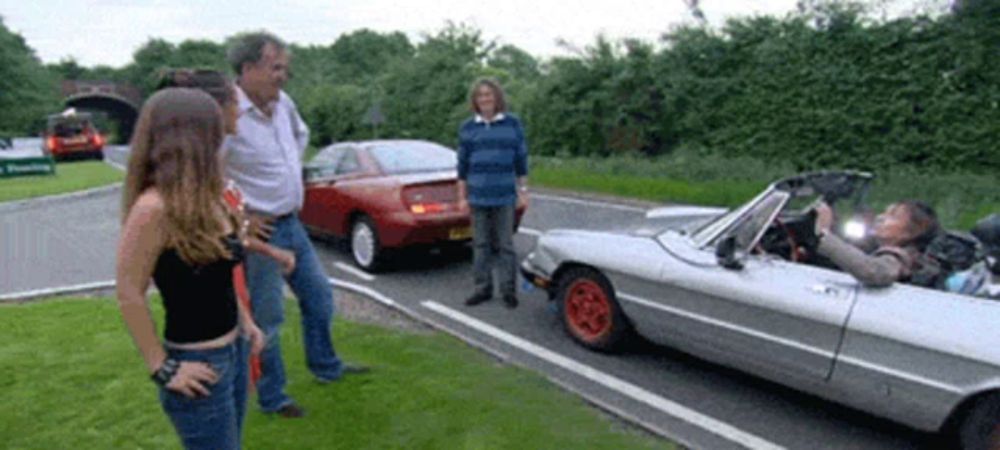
column 693, row 401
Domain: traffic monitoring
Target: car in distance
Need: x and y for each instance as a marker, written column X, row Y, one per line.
column 744, row 288
column 72, row 135
column 384, row 195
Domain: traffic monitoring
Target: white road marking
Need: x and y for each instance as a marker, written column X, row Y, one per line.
column 529, row 231
column 588, row 202
column 621, row 386
column 54, row 291
column 354, row 271
column 388, row 302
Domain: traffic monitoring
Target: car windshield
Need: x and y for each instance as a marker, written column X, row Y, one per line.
column 411, row 157
column 704, row 234
column 70, row 128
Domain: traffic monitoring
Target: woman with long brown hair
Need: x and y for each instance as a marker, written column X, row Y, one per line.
column 179, row 232
column 223, row 91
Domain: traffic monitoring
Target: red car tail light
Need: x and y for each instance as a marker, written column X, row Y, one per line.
column 53, row 143
column 425, row 208
column 97, row 139
column 430, row 198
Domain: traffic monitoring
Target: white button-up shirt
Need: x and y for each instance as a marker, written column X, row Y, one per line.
column 264, row 157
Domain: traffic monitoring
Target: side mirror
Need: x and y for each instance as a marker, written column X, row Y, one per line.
column 725, row 254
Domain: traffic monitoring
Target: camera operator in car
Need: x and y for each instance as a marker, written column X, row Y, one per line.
column 902, row 232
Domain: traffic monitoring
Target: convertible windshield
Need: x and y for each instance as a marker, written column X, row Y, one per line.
column 704, row 235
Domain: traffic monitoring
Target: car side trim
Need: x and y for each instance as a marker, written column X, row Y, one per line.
column 797, row 345
column 901, row 375
column 727, row 325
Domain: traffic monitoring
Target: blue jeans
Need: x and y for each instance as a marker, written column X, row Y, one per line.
column 214, row 421
column 311, row 286
column 493, row 248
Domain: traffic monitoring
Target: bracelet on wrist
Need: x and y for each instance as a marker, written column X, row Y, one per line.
column 166, row 372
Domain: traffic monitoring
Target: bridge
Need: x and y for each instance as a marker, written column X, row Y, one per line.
column 120, row 101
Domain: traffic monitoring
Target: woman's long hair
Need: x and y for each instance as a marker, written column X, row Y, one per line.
column 175, row 149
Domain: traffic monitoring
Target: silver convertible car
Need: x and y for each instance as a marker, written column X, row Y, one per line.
column 741, row 287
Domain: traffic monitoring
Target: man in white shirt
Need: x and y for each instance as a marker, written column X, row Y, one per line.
column 264, row 158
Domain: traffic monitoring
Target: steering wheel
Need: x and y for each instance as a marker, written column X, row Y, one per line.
column 779, row 240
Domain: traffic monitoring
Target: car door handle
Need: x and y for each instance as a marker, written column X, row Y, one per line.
column 825, row 289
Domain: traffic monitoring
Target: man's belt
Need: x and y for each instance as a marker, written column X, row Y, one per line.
column 273, row 216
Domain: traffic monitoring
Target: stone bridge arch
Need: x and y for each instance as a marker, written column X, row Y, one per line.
column 121, row 102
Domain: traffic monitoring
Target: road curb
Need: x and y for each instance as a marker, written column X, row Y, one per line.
column 58, row 198
column 38, row 294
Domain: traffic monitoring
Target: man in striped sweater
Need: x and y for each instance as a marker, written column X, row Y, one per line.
column 492, row 172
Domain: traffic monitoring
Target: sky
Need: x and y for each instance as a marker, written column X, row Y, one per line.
column 107, row 32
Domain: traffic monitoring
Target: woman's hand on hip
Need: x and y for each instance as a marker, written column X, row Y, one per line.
column 192, row 379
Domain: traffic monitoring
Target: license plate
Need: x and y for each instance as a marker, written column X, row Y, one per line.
column 457, row 234
column 76, row 140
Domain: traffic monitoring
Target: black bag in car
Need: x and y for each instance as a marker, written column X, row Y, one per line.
column 946, row 253
column 987, row 231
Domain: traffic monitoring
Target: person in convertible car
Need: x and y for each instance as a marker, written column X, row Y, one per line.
column 902, row 232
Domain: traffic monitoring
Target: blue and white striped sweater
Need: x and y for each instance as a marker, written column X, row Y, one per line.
column 491, row 156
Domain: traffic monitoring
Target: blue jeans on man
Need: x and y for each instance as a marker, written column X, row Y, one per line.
column 310, row 284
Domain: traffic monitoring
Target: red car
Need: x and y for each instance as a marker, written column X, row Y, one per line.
column 73, row 136
column 385, row 195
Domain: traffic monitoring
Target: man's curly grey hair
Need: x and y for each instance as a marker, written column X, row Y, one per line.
column 249, row 48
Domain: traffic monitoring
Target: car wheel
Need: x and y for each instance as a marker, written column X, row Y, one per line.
column 590, row 312
column 980, row 426
column 365, row 248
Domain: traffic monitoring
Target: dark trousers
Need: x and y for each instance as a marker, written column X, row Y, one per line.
column 493, row 248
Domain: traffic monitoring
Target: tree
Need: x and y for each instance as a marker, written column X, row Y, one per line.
column 68, row 69
column 28, row 91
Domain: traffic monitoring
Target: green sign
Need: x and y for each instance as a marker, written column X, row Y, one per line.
column 27, row 166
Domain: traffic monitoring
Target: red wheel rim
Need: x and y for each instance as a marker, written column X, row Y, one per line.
column 588, row 310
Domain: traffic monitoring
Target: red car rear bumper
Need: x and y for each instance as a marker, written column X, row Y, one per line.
column 402, row 229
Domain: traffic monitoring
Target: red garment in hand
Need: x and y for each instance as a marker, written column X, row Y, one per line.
column 234, row 199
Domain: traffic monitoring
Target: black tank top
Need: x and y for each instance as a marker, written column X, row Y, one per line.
column 200, row 300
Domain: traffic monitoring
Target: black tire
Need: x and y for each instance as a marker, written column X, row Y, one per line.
column 979, row 428
column 366, row 251
column 590, row 312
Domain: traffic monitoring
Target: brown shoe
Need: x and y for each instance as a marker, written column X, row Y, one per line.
column 291, row 411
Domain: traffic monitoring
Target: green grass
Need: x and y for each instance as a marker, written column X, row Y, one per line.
column 69, row 177
column 71, row 378
column 960, row 198
column 715, row 192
